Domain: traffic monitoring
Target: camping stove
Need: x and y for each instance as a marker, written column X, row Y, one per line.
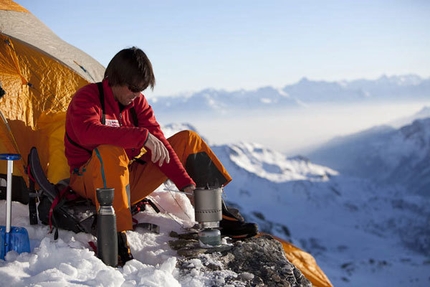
column 208, row 213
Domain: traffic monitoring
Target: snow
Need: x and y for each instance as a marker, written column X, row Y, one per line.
column 69, row 261
column 273, row 166
column 361, row 233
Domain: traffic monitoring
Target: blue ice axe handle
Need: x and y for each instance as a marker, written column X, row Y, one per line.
column 10, row 157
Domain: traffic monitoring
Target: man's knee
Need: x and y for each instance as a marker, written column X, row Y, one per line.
column 187, row 135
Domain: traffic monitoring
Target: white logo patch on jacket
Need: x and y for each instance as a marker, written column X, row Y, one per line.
column 112, row 123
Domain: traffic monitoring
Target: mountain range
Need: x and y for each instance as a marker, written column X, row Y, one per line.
column 359, row 203
column 384, row 154
column 359, row 211
column 305, row 92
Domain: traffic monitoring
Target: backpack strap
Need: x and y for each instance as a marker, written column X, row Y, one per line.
column 102, row 120
column 64, row 195
column 102, row 102
column 134, row 117
column 76, row 144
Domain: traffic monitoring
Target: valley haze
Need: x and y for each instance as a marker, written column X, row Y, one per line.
column 298, row 117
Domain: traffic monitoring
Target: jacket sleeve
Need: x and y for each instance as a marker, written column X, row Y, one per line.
column 174, row 170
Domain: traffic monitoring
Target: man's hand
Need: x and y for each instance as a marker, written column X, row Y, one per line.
column 190, row 189
column 189, row 192
column 159, row 152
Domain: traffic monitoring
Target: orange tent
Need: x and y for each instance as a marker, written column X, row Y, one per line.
column 39, row 73
column 306, row 263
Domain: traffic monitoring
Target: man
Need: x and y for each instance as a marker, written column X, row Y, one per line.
column 114, row 140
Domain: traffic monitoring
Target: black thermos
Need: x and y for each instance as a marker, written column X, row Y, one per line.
column 107, row 238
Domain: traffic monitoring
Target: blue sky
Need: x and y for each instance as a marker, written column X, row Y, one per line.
column 242, row 44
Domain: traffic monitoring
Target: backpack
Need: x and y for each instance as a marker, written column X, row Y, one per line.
column 59, row 206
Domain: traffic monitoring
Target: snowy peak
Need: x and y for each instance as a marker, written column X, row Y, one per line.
column 303, row 93
column 387, row 155
column 224, row 101
column 404, row 87
column 274, row 166
column 404, row 80
column 422, row 114
column 418, row 132
column 171, row 129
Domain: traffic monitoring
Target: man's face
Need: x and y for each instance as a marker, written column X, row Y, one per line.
column 125, row 94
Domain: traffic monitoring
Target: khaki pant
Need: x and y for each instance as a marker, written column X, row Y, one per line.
column 109, row 167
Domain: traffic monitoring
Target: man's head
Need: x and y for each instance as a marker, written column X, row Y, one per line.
column 129, row 73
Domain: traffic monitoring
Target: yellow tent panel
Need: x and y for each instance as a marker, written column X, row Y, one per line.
column 39, row 73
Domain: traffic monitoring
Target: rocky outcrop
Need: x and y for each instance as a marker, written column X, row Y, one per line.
column 258, row 261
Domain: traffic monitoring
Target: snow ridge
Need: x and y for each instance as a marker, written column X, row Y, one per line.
column 384, row 154
column 305, row 92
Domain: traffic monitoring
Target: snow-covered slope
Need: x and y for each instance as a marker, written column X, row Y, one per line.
column 388, row 155
column 358, row 231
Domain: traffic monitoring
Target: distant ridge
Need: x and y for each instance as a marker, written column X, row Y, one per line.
column 305, row 92
column 384, row 154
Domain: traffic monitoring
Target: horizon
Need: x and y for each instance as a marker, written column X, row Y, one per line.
column 231, row 46
column 295, row 131
column 340, row 81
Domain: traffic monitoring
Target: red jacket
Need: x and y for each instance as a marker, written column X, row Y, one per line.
column 84, row 130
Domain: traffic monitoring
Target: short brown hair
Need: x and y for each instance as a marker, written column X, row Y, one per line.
column 130, row 66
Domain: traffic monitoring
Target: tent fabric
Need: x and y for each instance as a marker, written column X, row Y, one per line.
column 8, row 144
column 52, row 129
column 306, row 263
column 39, row 73
column 12, row 6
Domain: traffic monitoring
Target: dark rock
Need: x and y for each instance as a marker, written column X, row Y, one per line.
column 257, row 261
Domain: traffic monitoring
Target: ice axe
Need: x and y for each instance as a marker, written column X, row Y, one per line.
column 12, row 238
